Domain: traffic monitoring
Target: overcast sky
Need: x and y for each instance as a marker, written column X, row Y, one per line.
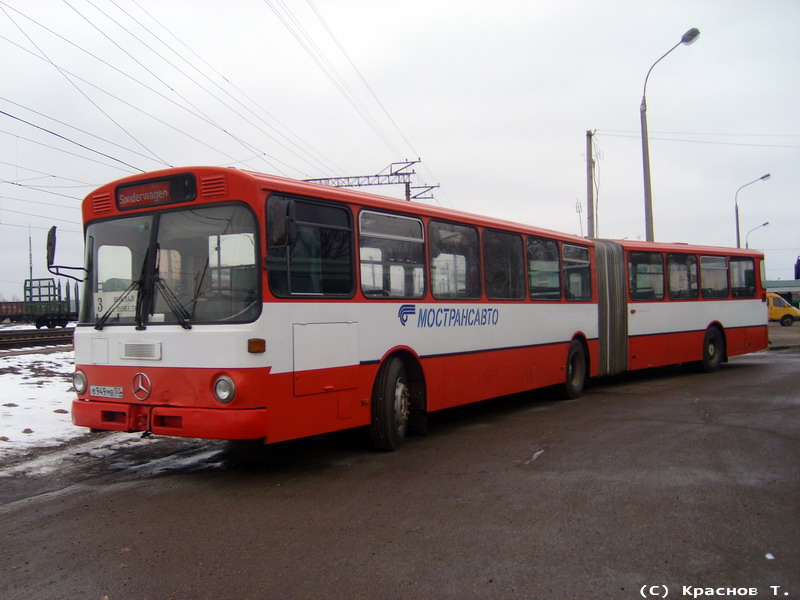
column 494, row 97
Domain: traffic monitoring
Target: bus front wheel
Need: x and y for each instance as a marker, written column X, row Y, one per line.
column 391, row 404
column 576, row 369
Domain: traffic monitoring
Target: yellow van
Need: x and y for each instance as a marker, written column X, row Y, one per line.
column 781, row 310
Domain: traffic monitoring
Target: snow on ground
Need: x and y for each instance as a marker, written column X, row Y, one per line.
column 35, row 401
column 35, row 398
column 35, row 424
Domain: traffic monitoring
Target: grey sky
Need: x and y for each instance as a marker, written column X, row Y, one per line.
column 494, row 97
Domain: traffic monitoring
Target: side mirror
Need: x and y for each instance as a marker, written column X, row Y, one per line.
column 51, row 258
column 51, row 246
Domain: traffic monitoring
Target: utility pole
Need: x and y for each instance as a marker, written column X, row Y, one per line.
column 590, row 216
column 398, row 174
column 30, row 254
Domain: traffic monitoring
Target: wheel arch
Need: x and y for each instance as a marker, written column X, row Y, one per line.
column 576, row 370
column 719, row 327
column 414, row 372
column 580, row 336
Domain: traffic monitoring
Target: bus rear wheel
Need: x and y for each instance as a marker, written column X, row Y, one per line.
column 391, row 405
column 576, row 370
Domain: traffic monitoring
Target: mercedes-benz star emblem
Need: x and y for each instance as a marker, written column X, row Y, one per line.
column 141, row 386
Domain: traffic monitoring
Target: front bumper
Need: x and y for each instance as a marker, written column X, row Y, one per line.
column 209, row 423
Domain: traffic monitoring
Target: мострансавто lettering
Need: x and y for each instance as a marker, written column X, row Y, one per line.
column 457, row 317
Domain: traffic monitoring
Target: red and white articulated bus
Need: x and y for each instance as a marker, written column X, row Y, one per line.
column 227, row 304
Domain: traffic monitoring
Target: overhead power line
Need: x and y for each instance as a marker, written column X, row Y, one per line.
column 290, row 137
column 194, row 109
column 134, row 107
column 50, row 175
column 43, row 55
column 39, row 216
column 140, row 84
column 688, row 141
column 71, row 141
column 358, row 72
column 140, row 35
column 377, row 100
column 32, row 141
column 83, row 131
column 30, row 187
column 60, row 230
column 707, row 133
column 321, row 60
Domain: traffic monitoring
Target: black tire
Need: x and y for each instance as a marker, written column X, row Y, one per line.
column 787, row 320
column 713, row 351
column 391, row 404
column 576, row 371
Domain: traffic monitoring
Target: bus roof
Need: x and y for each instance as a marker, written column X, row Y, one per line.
column 684, row 247
column 303, row 188
column 386, row 203
column 244, row 178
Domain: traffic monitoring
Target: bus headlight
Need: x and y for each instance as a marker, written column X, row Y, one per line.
column 79, row 382
column 224, row 389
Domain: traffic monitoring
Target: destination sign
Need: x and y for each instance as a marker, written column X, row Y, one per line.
column 143, row 195
column 157, row 192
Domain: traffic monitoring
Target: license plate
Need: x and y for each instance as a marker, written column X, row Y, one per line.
column 105, row 391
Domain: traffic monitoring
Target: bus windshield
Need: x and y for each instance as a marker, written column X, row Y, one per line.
column 186, row 266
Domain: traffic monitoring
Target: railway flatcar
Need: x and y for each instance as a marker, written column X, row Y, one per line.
column 45, row 304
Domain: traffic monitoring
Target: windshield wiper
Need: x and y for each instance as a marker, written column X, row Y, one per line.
column 199, row 286
column 135, row 285
column 179, row 310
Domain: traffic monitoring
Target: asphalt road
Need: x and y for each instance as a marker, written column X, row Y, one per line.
column 655, row 481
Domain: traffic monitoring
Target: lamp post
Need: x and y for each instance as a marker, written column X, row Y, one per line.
column 736, row 204
column 747, row 237
column 687, row 38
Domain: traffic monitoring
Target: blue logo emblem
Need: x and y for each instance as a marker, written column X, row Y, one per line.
column 406, row 310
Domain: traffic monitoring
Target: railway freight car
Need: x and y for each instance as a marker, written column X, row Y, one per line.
column 12, row 311
column 45, row 304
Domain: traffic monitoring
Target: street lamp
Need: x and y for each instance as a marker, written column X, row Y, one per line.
column 747, row 237
column 688, row 37
column 736, row 204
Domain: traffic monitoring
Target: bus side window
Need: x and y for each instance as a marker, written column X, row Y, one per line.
column 544, row 270
column 646, row 275
column 682, row 276
column 714, row 276
column 503, row 266
column 743, row 278
column 310, row 248
column 577, row 272
column 392, row 253
column 455, row 260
